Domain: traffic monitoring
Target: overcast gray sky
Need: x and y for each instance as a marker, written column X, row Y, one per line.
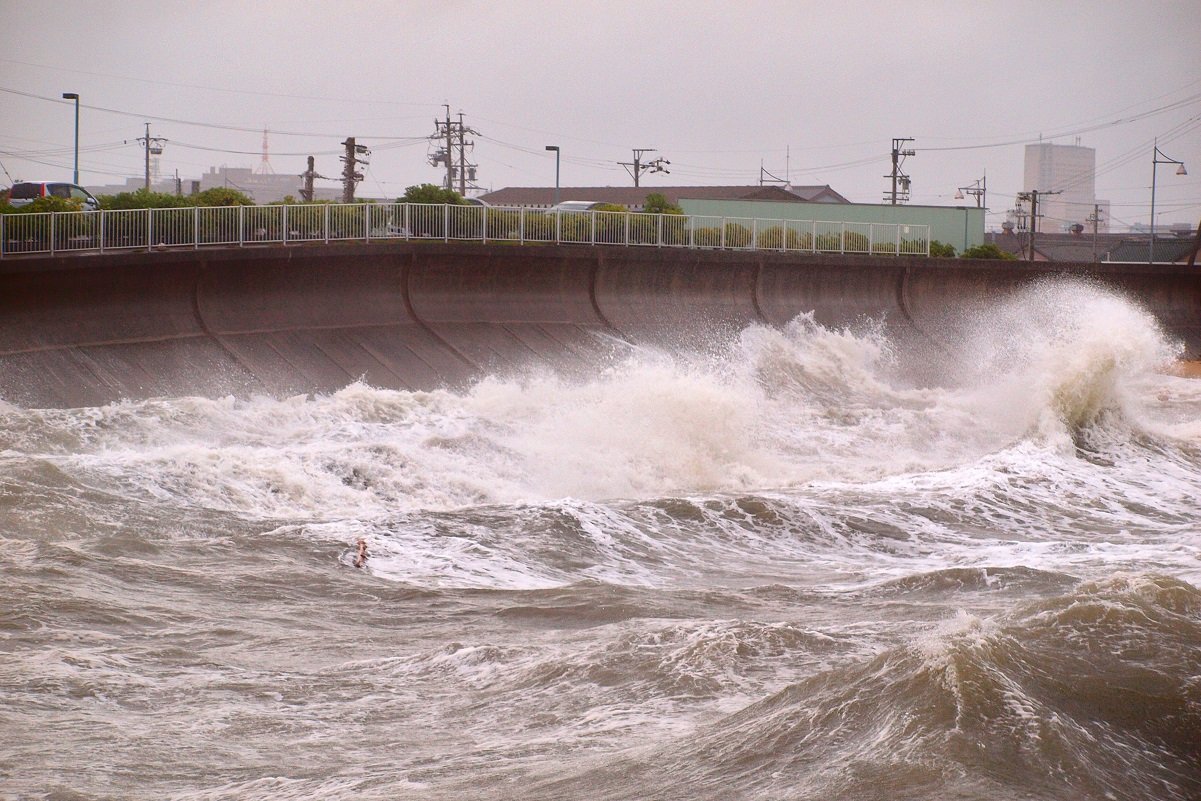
column 816, row 90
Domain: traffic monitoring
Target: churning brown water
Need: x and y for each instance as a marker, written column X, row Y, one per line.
column 776, row 569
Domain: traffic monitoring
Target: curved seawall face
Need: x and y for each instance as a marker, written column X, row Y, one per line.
column 88, row 330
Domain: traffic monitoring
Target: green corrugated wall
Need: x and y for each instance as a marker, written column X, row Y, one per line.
column 962, row 227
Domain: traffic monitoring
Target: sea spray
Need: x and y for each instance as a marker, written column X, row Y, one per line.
column 788, row 568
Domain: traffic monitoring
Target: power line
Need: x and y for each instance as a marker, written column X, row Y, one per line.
column 1077, row 131
column 214, row 125
column 224, row 89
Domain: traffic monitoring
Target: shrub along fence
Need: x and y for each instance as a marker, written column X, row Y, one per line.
column 243, row 226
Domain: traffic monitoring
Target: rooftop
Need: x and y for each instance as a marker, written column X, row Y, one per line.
column 634, row 196
column 1108, row 247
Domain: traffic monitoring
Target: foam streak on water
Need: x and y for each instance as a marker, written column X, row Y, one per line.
column 783, row 567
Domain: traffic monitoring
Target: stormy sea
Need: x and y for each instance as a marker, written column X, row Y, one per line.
column 780, row 565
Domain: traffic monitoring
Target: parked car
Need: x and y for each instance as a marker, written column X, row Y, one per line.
column 24, row 192
column 574, row 205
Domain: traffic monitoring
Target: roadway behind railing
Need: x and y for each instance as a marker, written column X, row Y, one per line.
column 57, row 233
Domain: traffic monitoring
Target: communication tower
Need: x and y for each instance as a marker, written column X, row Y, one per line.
column 264, row 167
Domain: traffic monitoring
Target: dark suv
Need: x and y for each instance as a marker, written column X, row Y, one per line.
column 24, row 192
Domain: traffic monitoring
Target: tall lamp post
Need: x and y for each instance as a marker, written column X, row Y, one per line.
column 1158, row 158
column 978, row 190
column 75, row 97
column 556, row 149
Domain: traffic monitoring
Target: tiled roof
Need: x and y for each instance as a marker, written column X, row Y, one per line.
column 635, row 197
column 817, row 194
column 1167, row 250
column 1080, row 248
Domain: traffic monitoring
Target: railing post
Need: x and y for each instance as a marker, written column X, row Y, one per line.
column 659, row 230
column 241, row 226
column 691, row 231
column 627, row 230
column 445, row 222
column 842, row 239
column 592, row 234
column 3, row 235
column 723, row 233
column 484, row 225
column 408, row 220
column 285, row 222
column 521, row 225
column 325, row 223
column 195, row 228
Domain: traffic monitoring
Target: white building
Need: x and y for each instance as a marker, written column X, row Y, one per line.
column 260, row 187
column 1070, row 171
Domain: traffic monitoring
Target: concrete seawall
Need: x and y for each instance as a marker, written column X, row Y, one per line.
column 88, row 330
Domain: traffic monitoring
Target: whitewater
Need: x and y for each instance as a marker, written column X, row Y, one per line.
column 774, row 563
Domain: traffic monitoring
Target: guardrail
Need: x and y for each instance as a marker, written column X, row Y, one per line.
column 57, row 233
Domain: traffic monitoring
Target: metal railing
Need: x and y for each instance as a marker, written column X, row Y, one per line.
column 57, row 233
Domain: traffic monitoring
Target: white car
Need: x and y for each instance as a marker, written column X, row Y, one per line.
column 574, row 205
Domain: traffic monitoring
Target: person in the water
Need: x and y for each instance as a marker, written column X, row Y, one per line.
column 360, row 558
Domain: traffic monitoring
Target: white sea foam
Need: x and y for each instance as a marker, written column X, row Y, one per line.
column 773, row 410
column 597, row 564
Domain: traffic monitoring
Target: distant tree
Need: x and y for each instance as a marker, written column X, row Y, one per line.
column 988, row 251
column 431, row 193
column 142, row 199
column 221, row 196
column 941, row 250
column 657, row 203
column 44, row 204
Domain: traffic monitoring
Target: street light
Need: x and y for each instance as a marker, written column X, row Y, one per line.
column 75, row 97
column 556, row 149
column 978, row 190
column 1156, row 160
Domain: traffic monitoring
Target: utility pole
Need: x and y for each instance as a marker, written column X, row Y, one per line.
column 306, row 193
column 1095, row 219
column 152, row 144
column 636, row 168
column 350, row 176
column 1033, row 195
column 450, row 163
column 899, row 178
column 466, row 171
column 454, row 134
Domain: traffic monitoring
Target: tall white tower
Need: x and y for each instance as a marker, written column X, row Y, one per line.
column 1070, row 170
